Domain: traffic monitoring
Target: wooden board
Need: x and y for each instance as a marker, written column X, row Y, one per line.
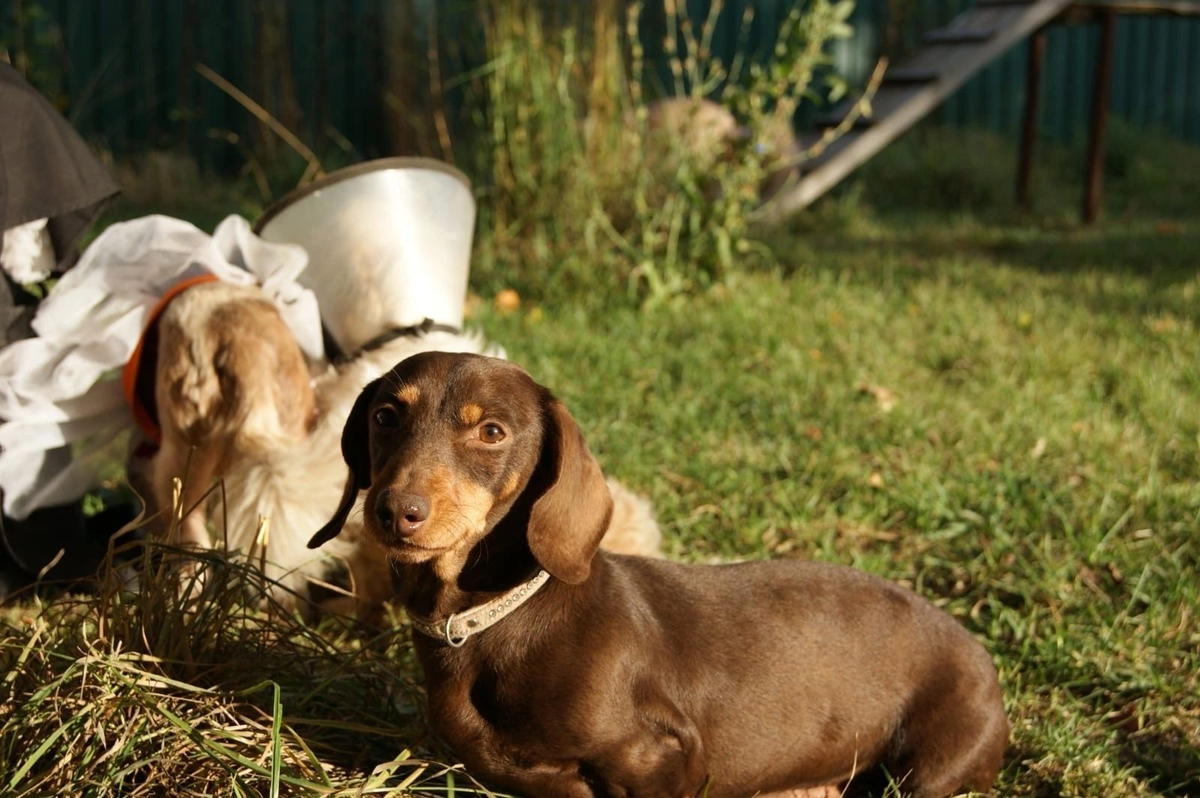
column 1178, row 8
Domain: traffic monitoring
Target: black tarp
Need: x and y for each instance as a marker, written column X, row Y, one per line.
column 46, row 172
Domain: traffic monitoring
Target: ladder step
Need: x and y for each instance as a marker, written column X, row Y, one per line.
column 958, row 35
column 910, row 75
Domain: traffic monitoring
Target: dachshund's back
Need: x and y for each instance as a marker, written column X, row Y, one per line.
column 829, row 657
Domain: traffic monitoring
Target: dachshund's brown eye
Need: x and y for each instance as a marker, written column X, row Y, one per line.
column 386, row 417
column 491, row 433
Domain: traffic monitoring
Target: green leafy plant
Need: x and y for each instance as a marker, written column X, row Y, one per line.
column 588, row 186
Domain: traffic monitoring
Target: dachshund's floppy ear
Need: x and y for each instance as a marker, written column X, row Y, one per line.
column 567, row 522
column 355, row 437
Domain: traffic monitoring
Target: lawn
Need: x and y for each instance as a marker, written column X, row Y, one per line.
column 999, row 411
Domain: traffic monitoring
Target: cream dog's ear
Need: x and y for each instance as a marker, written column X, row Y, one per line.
column 567, row 522
column 355, row 440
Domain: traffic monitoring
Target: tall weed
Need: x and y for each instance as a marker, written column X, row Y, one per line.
column 586, row 194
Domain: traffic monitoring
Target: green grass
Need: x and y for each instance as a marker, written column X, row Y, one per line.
column 997, row 410
column 1038, row 474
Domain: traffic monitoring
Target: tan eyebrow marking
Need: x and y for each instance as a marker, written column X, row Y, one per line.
column 470, row 413
column 409, row 394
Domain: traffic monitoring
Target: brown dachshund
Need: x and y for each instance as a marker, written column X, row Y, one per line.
column 557, row 669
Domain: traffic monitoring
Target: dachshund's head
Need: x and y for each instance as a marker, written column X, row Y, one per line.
column 446, row 445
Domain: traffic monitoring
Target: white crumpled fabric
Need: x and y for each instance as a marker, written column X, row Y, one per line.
column 63, row 388
column 27, row 253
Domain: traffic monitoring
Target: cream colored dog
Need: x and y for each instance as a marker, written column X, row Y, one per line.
column 235, row 402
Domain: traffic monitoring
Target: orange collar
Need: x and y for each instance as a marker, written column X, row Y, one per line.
column 138, row 383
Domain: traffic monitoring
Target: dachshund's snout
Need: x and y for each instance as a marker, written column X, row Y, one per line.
column 401, row 513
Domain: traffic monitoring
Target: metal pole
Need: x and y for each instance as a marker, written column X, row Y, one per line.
column 1033, row 85
column 1094, row 187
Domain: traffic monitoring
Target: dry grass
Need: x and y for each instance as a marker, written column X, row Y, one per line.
column 144, row 693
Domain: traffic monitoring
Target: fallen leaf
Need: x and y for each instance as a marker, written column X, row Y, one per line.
column 1163, row 324
column 875, row 480
column 507, row 301
column 884, row 398
column 1115, row 572
column 865, row 531
column 1039, row 449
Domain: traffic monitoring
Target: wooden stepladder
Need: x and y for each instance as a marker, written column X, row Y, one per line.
column 948, row 58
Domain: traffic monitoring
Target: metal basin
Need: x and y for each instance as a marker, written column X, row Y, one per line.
column 388, row 242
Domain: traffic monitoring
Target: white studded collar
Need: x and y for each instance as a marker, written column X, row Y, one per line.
column 455, row 630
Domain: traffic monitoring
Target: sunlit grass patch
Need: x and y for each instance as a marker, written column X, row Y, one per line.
column 998, row 413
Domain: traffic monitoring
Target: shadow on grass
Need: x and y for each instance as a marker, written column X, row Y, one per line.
column 1171, row 765
column 909, row 251
column 940, row 202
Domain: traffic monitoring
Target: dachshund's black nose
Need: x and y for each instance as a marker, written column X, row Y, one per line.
column 402, row 513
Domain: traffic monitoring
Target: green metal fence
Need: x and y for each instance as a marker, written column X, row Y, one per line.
column 123, row 69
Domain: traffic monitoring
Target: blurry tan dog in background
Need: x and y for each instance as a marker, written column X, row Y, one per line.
column 235, row 402
column 707, row 132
